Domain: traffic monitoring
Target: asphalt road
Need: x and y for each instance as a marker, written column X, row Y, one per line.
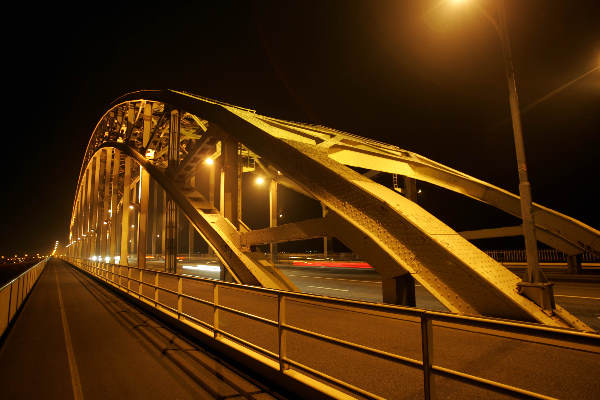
column 75, row 340
column 580, row 298
column 523, row 362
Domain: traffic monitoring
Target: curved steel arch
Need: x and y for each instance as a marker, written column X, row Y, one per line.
column 240, row 264
column 369, row 216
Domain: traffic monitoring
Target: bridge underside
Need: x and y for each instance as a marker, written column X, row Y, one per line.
column 173, row 135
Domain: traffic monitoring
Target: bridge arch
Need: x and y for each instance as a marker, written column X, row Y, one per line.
column 170, row 133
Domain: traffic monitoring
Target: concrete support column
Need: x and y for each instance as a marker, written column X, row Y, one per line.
column 410, row 189
column 143, row 217
column 114, row 202
column 190, row 240
column 125, row 212
column 326, row 240
column 399, row 290
column 574, row 264
column 273, row 214
column 230, row 182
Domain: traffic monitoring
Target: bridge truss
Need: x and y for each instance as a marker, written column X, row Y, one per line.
column 159, row 162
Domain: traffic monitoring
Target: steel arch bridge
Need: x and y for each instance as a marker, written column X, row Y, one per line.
column 156, row 141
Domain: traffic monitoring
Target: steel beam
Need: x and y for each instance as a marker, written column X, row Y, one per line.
column 173, row 156
column 171, row 236
column 104, row 224
column 114, row 202
column 273, row 214
column 154, row 217
column 88, row 211
column 230, row 182
column 147, row 124
column 143, row 218
column 126, row 200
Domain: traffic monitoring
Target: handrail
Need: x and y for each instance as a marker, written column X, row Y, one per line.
column 17, row 277
column 529, row 332
column 14, row 293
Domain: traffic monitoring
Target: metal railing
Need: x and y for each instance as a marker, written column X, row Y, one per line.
column 353, row 349
column 14, row 293
column 544, row 255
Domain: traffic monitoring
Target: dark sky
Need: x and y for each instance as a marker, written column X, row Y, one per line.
column 424, row 75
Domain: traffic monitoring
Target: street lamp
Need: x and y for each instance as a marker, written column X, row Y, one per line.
column 534, row 284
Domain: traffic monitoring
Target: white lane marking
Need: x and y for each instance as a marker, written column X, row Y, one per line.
column 75, row 382
column 328, row 288
column 577, row 297
column 340, row 279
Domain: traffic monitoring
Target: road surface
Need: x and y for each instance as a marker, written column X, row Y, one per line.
column 581, row 298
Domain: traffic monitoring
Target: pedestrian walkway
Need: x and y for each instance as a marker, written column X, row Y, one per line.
column 76, row 340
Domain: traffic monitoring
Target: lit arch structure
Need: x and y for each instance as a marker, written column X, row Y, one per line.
column 171, row 133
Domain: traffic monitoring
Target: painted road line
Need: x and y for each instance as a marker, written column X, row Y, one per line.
column 577, row 297
column 328, row 288
column 75, row 381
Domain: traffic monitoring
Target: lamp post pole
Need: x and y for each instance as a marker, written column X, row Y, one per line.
column 534, row 285
column 533, row 274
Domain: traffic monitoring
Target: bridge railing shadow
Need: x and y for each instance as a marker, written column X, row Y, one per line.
column 14, row 293
column 350, row 349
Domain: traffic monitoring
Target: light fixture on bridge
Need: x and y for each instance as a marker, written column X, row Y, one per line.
column 150, row 154
column 259, row 180
column 209, row 161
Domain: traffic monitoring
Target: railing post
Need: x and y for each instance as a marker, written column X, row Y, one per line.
column 155, row 289
column 141, row 283
column 179, row 299
column 9, row 302
column 281, row 331
column 215, row 311
column 427, row 348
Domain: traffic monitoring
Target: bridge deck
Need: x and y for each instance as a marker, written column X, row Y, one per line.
column 75, row 339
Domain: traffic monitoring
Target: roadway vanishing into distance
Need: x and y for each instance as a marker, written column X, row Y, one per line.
column 76, row 340
column 582, row 298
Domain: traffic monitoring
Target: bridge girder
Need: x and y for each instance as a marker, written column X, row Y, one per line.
column 390, row 230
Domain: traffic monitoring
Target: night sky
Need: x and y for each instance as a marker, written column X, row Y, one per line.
column 424, row 75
